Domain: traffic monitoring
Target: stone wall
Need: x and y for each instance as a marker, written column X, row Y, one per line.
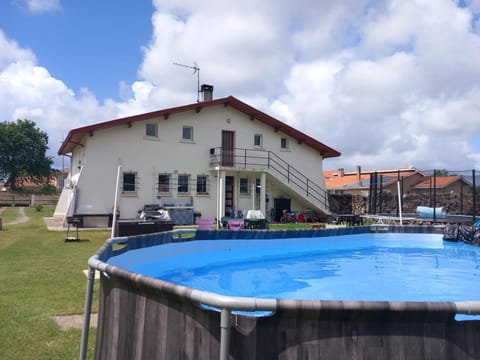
column 358, row 205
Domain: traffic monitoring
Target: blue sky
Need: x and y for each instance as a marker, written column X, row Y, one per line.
column 88, row 43
column 387, row 83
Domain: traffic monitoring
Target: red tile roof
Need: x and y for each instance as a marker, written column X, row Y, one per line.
column 334, row 180
column 440, row 181
column 75, row 136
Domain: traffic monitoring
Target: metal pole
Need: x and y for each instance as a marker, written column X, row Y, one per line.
column 399, row 202
column 370, row 195
column 434, row 196
column 86, row 313
column 225, row 324
column 253, row 195
column 381, row 194
column 461, row 196
column 220, row 211
column 115, row 202
column 474, row 203
column 218, row 196
column 375, row 179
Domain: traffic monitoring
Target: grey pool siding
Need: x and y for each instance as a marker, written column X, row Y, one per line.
column 145, row 318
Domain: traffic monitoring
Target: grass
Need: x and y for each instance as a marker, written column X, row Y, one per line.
column 41, row 276
column 290, row 226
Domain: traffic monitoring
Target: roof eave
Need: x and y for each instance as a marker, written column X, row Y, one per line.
column 74, row 136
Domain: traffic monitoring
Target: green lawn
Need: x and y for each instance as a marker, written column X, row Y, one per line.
column 41, row 276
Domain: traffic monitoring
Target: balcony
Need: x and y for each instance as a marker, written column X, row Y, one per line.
column 263, row 160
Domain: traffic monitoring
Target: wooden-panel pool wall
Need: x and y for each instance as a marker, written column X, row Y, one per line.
column 138, row 319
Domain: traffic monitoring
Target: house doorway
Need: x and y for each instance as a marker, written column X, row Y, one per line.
column 229, row 191
column 228, row 148
column 281, row 204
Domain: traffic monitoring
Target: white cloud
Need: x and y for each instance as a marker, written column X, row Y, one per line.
column 11, row 52
column 28, row 91
column 387, row 83
column 42, row 6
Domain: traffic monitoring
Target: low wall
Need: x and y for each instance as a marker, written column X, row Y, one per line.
column 8, row 199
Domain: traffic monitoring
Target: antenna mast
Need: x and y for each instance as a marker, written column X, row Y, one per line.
column 196, row 70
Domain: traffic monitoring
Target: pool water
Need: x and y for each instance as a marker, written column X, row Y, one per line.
column 386, row 266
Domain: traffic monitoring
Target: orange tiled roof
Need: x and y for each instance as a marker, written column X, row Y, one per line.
column 440, row 181
column 333, row 180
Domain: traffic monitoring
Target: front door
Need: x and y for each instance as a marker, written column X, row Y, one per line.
column 228, row 146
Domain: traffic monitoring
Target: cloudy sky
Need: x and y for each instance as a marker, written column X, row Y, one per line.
column 388, row 83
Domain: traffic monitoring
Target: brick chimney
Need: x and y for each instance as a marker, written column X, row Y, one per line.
column 206, row 92
column 359, row 172
column 341, row 172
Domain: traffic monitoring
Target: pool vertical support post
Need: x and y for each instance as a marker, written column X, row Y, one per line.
column 225, row 325
column 87, row 312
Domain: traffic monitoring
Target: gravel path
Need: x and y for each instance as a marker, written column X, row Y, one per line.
column 20, row 220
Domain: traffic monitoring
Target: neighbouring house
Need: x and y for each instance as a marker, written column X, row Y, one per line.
column 445, row 185
column 350, row 192
column 61, row 177
column 359, row 192
column 358, row 182
column 208, row 159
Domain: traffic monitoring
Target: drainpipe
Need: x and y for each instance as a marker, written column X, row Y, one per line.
column 225, row 325
column 115, row 202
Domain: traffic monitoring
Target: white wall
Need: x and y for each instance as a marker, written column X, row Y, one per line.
column 129, row 147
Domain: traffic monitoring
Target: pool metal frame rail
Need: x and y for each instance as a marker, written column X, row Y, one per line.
column 227, row 304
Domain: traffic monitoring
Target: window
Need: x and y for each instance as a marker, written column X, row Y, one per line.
column 258, row 140
column 187, row 133
column 129, row 184
column 284, row 143
column 151, row 130
column 202, row 184
column 164, row 183
column 243, row 186
column 183, row 183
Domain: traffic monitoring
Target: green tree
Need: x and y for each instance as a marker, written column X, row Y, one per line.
column 23, row 149
column 442, row 172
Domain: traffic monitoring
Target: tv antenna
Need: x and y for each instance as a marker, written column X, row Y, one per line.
column 196, row 70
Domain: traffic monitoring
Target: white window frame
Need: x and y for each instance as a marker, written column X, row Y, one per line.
column 258, row 137
column 169, row 184
column 150, row 126
column 135, row 184
column 240, row 186
column 198, row 184
column 187, row 184
column 187, row 139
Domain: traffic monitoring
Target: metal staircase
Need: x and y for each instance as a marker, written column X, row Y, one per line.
column 285, row 173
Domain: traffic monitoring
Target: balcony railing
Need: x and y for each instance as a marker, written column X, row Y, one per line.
column 252, row 159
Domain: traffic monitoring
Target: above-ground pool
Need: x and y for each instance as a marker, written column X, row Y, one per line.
column 288, row 295
column 384, row 266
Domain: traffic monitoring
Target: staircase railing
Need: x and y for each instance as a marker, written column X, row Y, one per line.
column 240, row 158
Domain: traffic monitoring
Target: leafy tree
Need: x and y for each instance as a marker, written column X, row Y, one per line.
column 442, row 172
column 23, row 149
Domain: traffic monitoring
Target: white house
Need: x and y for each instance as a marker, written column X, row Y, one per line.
column 209, row 157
